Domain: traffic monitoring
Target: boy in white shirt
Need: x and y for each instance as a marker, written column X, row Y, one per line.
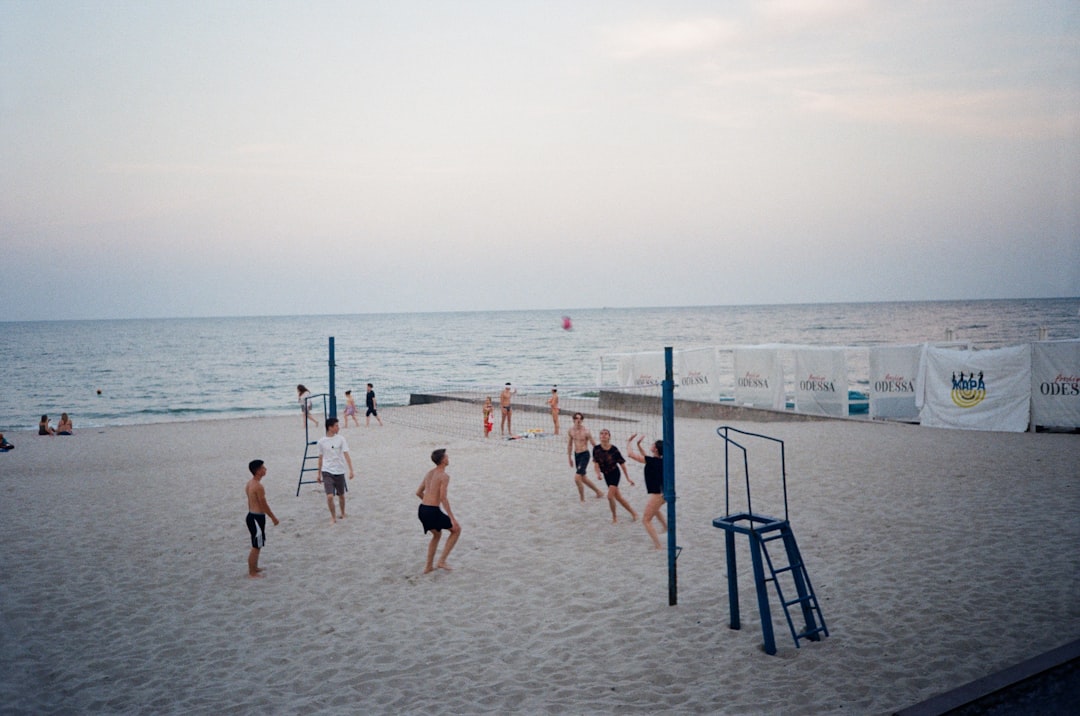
column 333, row 458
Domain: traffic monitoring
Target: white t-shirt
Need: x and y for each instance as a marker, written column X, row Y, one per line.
column 332, row 451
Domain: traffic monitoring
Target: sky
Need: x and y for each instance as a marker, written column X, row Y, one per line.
column 194, row 158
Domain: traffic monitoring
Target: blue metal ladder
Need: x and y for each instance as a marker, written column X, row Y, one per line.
column 311, row 454
column 761, row 530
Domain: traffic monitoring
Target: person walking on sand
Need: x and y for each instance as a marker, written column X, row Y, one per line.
column 489, row 419
column 333, row 457
column 609, row 461
column 258, row 510
column 553, row 401
column 350, row 410
column 303, row 396
column 371, row 409
column 577, row 454
column 654, row 483
column 433, row 495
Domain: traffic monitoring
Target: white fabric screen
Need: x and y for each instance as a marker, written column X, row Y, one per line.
column 1055, row 384
column 975, row 390
column 759, row 378
column 697, row 374
column 821, row 385
column 641, row 369
column 892, row 381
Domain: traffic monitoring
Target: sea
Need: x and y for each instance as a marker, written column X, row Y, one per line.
column 129, row 372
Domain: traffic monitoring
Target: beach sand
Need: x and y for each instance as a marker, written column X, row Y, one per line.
column 937, row 556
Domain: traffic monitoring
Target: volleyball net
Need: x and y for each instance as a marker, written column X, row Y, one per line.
column 458, row 411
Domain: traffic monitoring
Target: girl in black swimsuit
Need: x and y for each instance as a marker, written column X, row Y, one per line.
column 654, row 483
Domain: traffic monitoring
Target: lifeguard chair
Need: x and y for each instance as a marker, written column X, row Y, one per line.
column 786, row 571
column 310, row 453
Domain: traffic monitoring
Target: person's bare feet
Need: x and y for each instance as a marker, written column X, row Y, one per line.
column 444, row 565
column 428, row 569
column 256, row 575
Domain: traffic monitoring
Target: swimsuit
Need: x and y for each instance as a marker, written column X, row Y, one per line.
column 256, row 524
column 654, row 475
column 581, row 459
column 350, row 410
column 434, row 519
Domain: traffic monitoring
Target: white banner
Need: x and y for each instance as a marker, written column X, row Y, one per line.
column 1055, row 384
column 821, row 385
column 759, row 378
column 697, row 375
column 641, row 369
column 975, row 390
column 892, row 382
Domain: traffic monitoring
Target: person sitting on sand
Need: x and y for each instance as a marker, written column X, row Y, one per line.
column 433, row 495
column 608, row 461
column 4, row 444
column 654, row 483
column 44, row 428
column 258, row 509
column 64, row 427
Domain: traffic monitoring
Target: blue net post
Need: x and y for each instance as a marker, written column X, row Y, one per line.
column 669, row 474
column 333, row 393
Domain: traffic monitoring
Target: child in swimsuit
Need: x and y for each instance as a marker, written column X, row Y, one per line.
column 489, row 420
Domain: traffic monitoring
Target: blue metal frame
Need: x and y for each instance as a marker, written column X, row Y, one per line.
column 761, row 529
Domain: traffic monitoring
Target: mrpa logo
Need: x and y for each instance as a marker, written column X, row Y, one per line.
column 969, row 391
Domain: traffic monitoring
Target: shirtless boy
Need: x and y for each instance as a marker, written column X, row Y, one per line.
column 258, row 509
column 577, row 454
column 432, row 494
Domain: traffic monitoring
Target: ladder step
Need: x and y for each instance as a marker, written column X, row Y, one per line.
column 809, row 598
column 774, row 537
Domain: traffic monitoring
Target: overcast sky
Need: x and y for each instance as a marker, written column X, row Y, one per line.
column 222, row 158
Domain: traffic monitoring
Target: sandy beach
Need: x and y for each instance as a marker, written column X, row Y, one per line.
column 938, row 557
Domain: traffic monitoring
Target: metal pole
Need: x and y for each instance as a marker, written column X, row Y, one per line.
column 333, row 394
column 669, row 474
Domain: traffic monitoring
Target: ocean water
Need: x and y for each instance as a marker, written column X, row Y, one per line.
column 163, row 370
